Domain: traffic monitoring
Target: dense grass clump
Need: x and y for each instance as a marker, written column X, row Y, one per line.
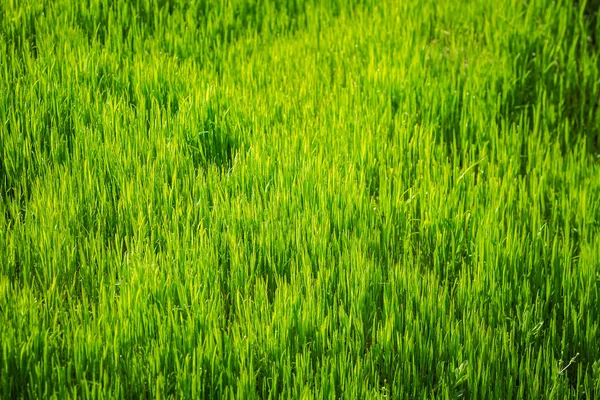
column 299, row 199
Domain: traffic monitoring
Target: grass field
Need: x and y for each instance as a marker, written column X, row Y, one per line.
column 300, row 199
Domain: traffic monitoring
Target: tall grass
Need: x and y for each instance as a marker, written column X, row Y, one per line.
column 299, row 199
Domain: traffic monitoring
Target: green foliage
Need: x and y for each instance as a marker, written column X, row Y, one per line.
column 299, row 199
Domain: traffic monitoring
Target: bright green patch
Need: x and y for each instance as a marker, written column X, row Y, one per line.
column 299, row 199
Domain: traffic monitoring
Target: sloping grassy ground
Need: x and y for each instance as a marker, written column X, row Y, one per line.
column 290, row 199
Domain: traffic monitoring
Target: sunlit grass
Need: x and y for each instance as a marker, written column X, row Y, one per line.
column 289, row 199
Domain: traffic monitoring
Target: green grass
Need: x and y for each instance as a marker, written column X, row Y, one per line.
column 300, row 199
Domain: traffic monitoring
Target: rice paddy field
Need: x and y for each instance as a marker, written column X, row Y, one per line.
column 259, row 199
